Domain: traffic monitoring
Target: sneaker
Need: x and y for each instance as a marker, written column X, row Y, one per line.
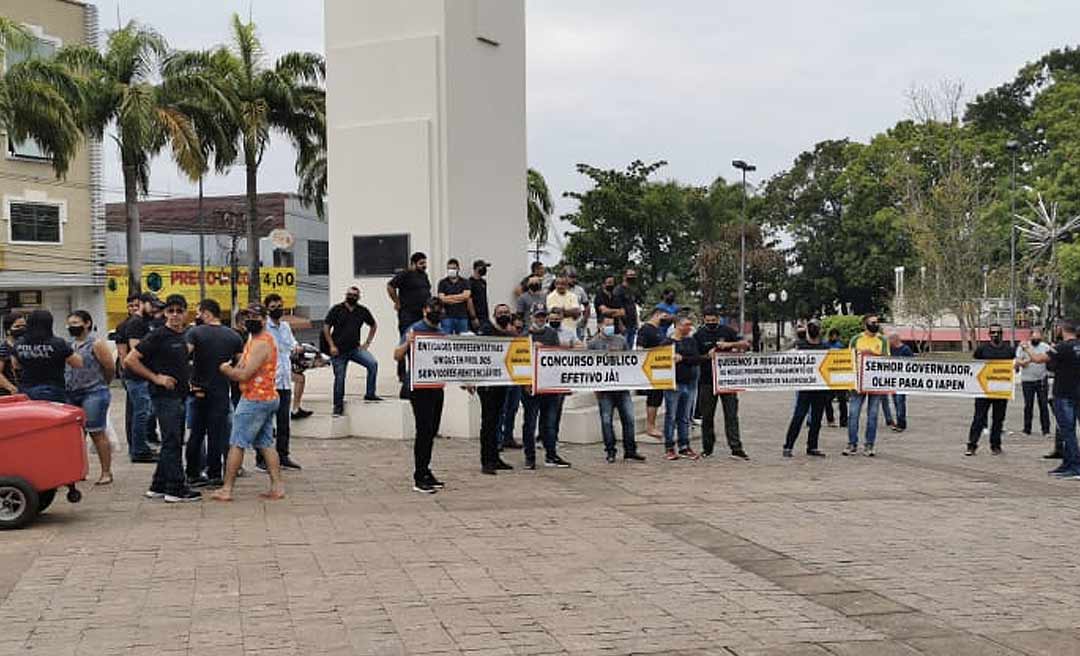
column 435, row 483
column 490, row 471
column 850, row 450
column 144, row 458
column 372, row 398
column 1060, row 469
column 1068, row 473
column 530, row 463
column 556, row 461
column 970, row 451
column 896, row 429
column 261, row 466
column 610, row 458
column 1026, row 433
column 511, row 444
column 504, row 466
column 868, row 451
column 289, row 463
column 671, row 455
column 1047, row 436
column 832, row 424
column 424, row 488
column 706, row 454
column 1053, row 455
column 198, row 481
column 740, row 455
column 301, row 414
column 215, row 482
column 153, row 494
column 787, row 453
column 995, row 450
column 695, row 421
column 816, row 453
column 338, row 412
column 184, row 496
column 688, row 453
column 636, row 457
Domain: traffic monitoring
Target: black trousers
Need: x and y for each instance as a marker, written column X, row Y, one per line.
column 1036, row 389
column 978, row 422
column 427, row 405
column 707, row 402
column 282, row 434
column 491, row 405
column 814, row 403
column 841, row 403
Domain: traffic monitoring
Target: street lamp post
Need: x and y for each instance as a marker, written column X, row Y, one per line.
column 744, row 167
column 1012, row 146
column 780, row 298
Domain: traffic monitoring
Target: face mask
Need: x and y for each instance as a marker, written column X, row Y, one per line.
column 712, row 325
column 482, row 271
column 995, row 338
column 813, row 331
column 872, row 328
column 277, row 313
column 352, row 300
column 433, row 317
column 630, row 282
column 75, row 331
column 1036, row 342
column 534, row 287
column 452, row 273
column 18, row 332
column 503, row 320
column 609, row 288
column 665, row 324
column 669, row 299
column 253, row 326
column 609, row 330
column 801, row 334
column 554, row 323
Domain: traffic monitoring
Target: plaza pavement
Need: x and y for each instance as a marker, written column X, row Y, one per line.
column 917, row 551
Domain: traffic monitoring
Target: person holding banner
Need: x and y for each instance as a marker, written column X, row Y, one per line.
column 810, row 402
column 841, row 396
column 722, row 338
column 897, row 349
column 997, row 349
column 679, row 402
column 427, row 403
column 610, row 401
column 493, row 398
column 867, row 343
column 547, row 408
column 650, row 336
column 1064, row 361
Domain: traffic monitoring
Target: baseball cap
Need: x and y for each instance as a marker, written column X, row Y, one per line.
column 480, row 263
column 539, row 309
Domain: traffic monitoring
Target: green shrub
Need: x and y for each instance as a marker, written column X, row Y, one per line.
column 848, row 325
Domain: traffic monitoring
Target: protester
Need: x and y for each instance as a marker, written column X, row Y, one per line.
column 897, row 349
column 143, row 421
column 1064, row 361
column 513, row 401
column 1034, row 383
column 724, row 339
column 607, row 339
column 997, row 349
column 532, row 296
column 607, row 305
column 670, row 308
column 211, row 344
column 583, row 299
column 341, row 336
column 161, row 358
column 493, row 399
column 840, row 396
column 408, row 290
column 306, row 357
column 649, row 336
column 810, row 402
column 87, row 387
column 286, row 345
column 254, row 419
column 626, row 297
column 679, row 402
column 427, row 404
column 547, row 408
column 40, row 357
column 867, row 343
column 567, row 335
column 568, row 304
column 455, row 294
column 539, row 271
column 478, row 297
column 14, row 327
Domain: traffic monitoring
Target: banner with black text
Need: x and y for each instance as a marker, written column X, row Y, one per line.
column 489, row 361
column 993, row 379
column 790, row 370
column 564, row 370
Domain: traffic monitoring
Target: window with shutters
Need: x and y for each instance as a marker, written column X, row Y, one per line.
column 34, row 223
column 318, row 258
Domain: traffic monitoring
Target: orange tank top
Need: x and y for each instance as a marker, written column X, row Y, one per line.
column 260, row 387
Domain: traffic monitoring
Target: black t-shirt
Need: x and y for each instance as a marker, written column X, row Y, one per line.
column 988, row 351
column 164, row 351
column 606, row 299
column 649, row 336
column 1065, row 363
column 804, row 345
column 450, row 287
column 213, row 345
column 686, row 371
column 42, row 362
column 345, row 325
column 548, row 336
column 413, row 288
column 708, row 337
column 136, row 327
column 478, row 287
column 6, row 353
column 626, row 299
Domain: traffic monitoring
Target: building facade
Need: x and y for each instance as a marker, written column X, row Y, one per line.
column 172, row 231
column 52, row 231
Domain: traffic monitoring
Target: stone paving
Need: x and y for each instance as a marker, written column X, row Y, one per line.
column 917, row 551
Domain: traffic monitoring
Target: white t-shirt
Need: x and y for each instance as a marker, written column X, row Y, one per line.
column 1035, row 371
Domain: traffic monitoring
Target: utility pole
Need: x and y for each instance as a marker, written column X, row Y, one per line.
column 744, row 167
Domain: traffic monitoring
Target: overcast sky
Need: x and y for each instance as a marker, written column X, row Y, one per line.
column 695, row 82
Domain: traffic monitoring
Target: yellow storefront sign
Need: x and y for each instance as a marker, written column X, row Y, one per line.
column 168, row 279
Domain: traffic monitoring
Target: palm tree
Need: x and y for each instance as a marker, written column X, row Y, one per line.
column 288, row 98
column 539, row 208
column 122, row 88
column 311, row 169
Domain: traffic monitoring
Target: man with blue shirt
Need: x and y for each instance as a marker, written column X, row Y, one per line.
column 427, row 404
column 670, row 307
column 898, row 349
column 286, row 344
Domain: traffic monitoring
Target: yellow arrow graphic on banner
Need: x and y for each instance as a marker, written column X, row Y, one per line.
column 518, row 361
column 996, row 379
column 838, row 369
column 659, row 367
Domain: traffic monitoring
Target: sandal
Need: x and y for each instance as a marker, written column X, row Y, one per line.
column 104, row 480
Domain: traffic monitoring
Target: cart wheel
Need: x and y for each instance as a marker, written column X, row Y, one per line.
column 73, row 495
column 18, row 503
column 45, row 499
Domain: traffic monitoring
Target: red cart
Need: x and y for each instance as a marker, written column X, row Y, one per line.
column 42, row 448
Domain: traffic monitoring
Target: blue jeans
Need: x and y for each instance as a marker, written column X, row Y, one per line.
column 873, row 402
column 454, row 325
column 362, row 357
column 678, row 406
column 138, row 397
column 253, row 424
column 95, row 403
column 1065, row 413
column 548, row 409
column 508, row 414
column 169, row 473
column 609, row 402
column 630, row 335
column 45, row 393
column 210, row 421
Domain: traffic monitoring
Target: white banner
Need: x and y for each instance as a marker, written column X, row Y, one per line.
column 791, row 370
column 564, row 370
column 492, row 361
column 970, row 378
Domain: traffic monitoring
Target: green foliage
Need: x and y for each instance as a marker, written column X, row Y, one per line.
column 538, row 206
column 849, row 325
